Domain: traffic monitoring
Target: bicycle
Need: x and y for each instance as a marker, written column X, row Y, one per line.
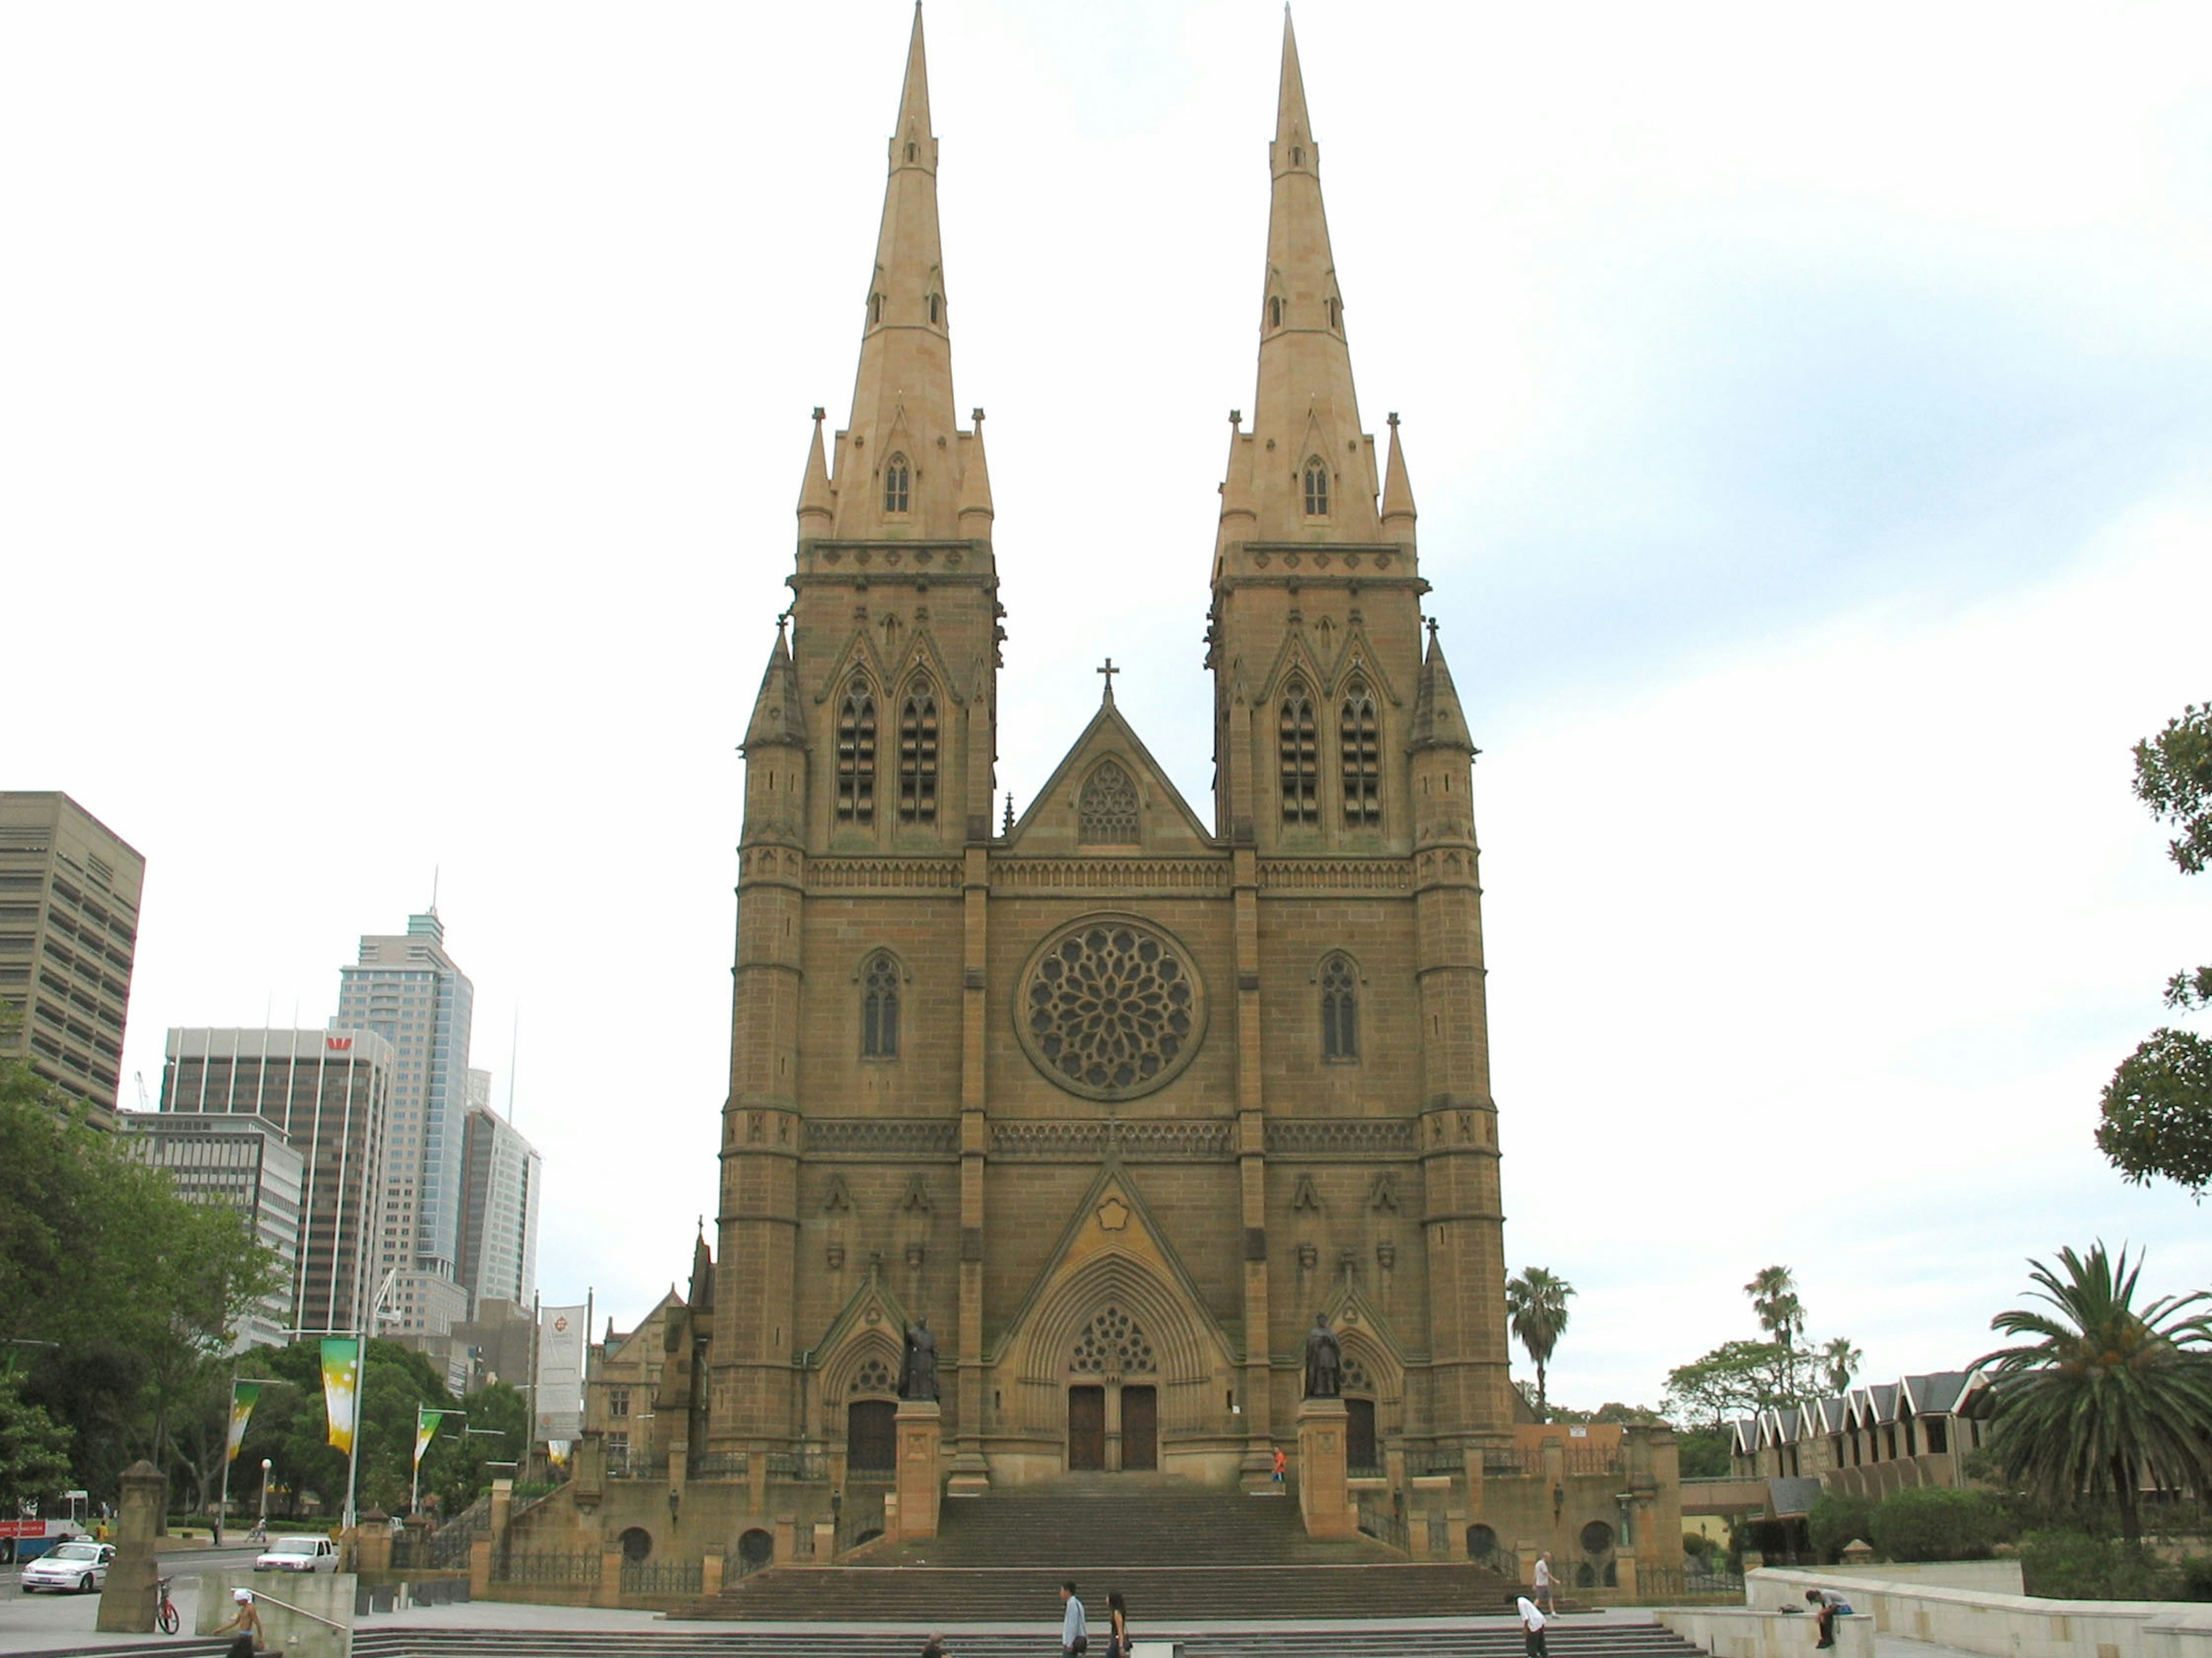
column 165, row 1610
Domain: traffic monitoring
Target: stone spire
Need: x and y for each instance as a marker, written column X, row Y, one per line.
column 902, row 394
column 1437, row 722
column 1398, row 514
column 1305, row 408
column 778, row 717
column 818, row 502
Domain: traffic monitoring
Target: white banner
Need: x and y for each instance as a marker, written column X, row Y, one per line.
column 559, row 1397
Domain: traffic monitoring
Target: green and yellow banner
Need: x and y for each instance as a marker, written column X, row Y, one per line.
column 242, row 1397
column 426, row 1429
column 341, row 1388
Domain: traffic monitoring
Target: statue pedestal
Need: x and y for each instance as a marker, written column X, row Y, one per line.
column 920, row 1429
column 1324, row 1499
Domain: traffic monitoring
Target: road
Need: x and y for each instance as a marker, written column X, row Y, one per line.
column 32, row 1621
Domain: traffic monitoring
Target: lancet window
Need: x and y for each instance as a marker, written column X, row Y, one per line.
column 896, row 477
column 1316, row 488
column 879, row 1009
column 918, row 737
column 1361, row 750
column 1275, row 312
column 856, row 754
column 1300, row 755
column 1339, row 1010
column 1106, row 811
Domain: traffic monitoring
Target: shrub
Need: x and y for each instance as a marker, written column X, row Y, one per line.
column 1934, row 1522
column 2074, row 1565
column 2197, row 1577
column 1839, row 1520
column 1697, row 1544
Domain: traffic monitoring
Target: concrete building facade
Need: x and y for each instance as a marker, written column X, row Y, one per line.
column 502, row 1182
column 330, row 1093
column 246, row 1163
column 407, row 989
column 69, row 889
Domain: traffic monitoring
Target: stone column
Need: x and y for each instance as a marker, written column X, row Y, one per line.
column 1324, row 1498
column 126, row 1604
column 920, row 1431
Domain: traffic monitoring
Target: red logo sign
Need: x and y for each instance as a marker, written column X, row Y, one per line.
column 337, row 1044
column 560, row 1326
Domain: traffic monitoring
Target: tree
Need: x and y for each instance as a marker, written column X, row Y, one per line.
column 2105, row 1395
column 1739, row 1378
column 1774, row 1303
column 1841, row 1362
column 1536, row 1309
column 2156, row 1118
column 34, row 1450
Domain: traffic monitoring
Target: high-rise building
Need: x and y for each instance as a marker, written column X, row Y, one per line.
column 330, row 1091
column 68, row 933
column 246, row 1163
column 408, row 990
column 503, row 1178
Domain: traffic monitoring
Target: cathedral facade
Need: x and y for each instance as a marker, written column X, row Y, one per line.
column 1119, row 1096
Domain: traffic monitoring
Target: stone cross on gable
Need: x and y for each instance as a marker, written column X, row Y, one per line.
column 1110, row 670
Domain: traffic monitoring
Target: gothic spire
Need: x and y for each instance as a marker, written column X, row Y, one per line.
column 818, row 502
column 902, row 394
column 1305, row 410
column 778, row 718
column 1398, row 514
column 1439, row 722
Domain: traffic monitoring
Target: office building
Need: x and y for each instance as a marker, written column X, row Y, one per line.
column 330, row 1092
column 68, row 933
column 502, row 1179
column 246, row 1163
column 408, row 990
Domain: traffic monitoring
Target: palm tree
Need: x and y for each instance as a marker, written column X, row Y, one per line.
column 2106, row 1395
column 1841, row 1360
column 1774, row 1302
column 1536, row 1308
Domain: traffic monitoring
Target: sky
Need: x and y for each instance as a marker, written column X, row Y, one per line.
column 402, row 411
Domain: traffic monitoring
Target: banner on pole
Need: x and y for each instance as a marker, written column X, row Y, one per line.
column 242, row 1397
column 558, row 1397
column 341, row 1388
column 426, row 1429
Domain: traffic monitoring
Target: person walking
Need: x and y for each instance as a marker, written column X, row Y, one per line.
column 1282, row 1463
column 1117, row 1625
column 1532, row 1627
column 1074, row 1633
column 246, row 1622
column 1543, row 1584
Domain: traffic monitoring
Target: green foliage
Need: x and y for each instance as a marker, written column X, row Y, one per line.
column 1697, row 1544
column 2064, row 1564
column 137, row 1288
column 34, row 1450
column 1739, row 1378
column 1839, row 1362
column 1536, row 1309
column 1774, row 1304
column 1838, row 1520
column 1704, row 1452
column 2157, row 1116
column 2106, row 1394
column 1937, row 1522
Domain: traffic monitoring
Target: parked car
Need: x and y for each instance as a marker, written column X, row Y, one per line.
column 78, row 1567
column 298, row 1554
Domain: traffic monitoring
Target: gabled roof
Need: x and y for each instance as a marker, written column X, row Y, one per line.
column 1934, row 1392
column 1052, row 811
column 1881, row 1399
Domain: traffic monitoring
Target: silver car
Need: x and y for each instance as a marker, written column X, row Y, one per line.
column 77, row 1567
column 299, row 1554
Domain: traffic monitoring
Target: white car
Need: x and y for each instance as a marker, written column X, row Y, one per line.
column 76, row 1567
column 299, row 1554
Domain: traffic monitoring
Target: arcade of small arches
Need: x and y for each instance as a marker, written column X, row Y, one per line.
column 1359, row 759
column 920, row 741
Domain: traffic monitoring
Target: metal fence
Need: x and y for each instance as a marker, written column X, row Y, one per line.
column 653, row 1577
column 719, row 1464
column 1434, row 1460
column 799, row 1464
column 637, row 1465
column 571, row 1570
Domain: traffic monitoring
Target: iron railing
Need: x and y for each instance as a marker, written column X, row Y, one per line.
column 571, row 1570
column 1434, row 1460
column 810, row 1465
column 656, row 1578
column 637, row 1465
column 719, row 1464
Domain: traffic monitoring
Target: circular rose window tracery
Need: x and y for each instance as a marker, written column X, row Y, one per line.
column 1110, row 1008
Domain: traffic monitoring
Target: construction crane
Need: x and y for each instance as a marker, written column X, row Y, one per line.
column 139, row 1077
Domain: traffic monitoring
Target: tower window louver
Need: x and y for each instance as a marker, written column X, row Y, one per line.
column 1316, row 488
column 1362, row 756
column 896, row 482
column 1340, row 1010
column 918, row 743
column 1300, row 755
column 856, row 755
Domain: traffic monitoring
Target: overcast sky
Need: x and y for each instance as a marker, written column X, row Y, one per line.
column 402, row 410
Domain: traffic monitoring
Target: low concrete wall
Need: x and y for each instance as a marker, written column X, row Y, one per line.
column 1983, row 1577
column 325, row 1595
column 2002, row 1626
column 1741, row 1632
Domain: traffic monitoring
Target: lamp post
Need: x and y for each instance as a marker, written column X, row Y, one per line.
column 263, row 1525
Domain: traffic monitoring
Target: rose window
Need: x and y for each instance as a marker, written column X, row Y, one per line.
column 1111, row 1008
column 1112, row 1346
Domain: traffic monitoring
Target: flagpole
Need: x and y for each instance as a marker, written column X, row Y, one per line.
column 222, row 1503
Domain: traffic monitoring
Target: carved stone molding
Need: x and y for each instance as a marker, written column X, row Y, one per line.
column 1053, row 1140
column 893, row 1137
column 1342, row 1136
column 1130, row 876
column 1334, row 875
column 883, row 875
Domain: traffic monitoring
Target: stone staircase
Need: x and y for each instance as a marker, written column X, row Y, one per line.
column 1178, row 1553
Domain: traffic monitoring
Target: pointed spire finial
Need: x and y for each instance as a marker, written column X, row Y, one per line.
column 1009, row 828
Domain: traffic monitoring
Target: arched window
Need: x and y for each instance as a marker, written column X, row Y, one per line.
column 918, row 755
column 1316, row 488
column 1300, row 756
column 1340, row 1010
column 1361, row 750
column 1331, row 303
column 1106, row 811
column 1298, row 155
column 936, row 303
column 856, row 754
column 875, row 308
column 896, row 480
column 910, row 150
column 1274, row 313
column 880, row 1000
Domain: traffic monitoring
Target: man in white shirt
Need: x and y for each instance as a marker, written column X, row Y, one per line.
column 1543, row 1583
column 1074, row 1633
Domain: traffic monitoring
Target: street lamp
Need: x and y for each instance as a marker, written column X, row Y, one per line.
column 265, row 1499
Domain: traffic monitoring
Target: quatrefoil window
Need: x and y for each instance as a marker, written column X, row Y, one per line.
column 1112, row 1346
column 1111, row 1008
column 873, row 1377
